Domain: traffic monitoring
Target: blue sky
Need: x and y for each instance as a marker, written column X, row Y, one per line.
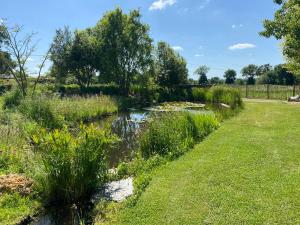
column 217, row 33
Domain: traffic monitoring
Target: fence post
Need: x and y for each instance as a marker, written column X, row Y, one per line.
column 268, row 91
column 294, row 90
column 246, row 91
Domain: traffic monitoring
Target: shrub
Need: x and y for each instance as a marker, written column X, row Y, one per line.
column 172, row 134
column 12, row 99
column 73, row 167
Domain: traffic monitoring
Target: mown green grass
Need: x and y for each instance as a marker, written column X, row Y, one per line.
column 247, row 172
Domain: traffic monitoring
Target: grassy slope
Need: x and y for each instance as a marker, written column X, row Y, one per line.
column 247, row 172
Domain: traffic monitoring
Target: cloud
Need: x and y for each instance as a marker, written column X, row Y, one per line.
column 30, row 59
column 199, row 55
column 241, row 46
column 161, row 4
column 178, row 48
column 204, row 4
column 234, row 26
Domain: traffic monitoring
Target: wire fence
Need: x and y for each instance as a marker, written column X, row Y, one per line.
column 279, row 92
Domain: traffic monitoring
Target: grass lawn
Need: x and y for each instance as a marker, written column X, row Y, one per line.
column 247, row 172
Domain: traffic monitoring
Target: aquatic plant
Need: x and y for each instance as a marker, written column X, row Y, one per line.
column 73, row 166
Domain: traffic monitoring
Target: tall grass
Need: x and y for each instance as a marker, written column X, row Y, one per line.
column 229, row 96
column 54, row 112
column 13, row 143
column 78, row 108
column 73, row 167
column 172, row 134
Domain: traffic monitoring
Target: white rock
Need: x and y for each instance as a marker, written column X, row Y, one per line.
column 119, row 190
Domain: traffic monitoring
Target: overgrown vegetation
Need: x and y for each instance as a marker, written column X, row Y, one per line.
column 72, row 167
column 172, row 134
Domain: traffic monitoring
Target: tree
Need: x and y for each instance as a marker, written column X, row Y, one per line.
column 81, row 58
column 202, row 71
column 124, row 47
column 230, row 76
column 215, row 81
column 60, row 50
column 250, row 72
column 285, row 26
column 5, row 62
column 170, row 67
column 284, row 77
column 263, row 69
column 19, row 47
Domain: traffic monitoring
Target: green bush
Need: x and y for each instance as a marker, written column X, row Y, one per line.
column 229, row 96
column 172, row 134
column 73, row 167
column 12, row 99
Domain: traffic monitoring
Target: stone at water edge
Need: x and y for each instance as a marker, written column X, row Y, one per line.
column 225, row 105
column 119, row 190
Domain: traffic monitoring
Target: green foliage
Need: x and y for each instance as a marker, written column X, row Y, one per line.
column 54, row 112
column 12, row 99
column 250, row 72
column 199, row 94
column 74, row 89
column 202, row 71
column 73, row 167
column 41, row 110
column 60, row 48
column 230, row 76
column 171, row 67
column 124, row 47
column 229, row 96
column 13, row 143
column 285, row 26
column 78, row 109
column 172, row 134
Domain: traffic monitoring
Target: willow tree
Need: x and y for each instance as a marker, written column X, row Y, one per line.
column 286, row 27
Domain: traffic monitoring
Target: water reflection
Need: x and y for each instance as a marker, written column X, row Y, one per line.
column 127, row 126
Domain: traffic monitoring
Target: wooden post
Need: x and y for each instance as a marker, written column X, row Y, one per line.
column 246, row 91
column 294, row 90
column 268, row 91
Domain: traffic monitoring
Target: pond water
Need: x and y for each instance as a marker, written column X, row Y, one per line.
column 127, row 126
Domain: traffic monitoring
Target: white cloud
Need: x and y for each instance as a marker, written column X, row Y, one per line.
column 241, row 46
column 204, row 4
column 30, row 59
column 161, row 4
column 234, row 26
column 177, row 48
column 199, row 55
